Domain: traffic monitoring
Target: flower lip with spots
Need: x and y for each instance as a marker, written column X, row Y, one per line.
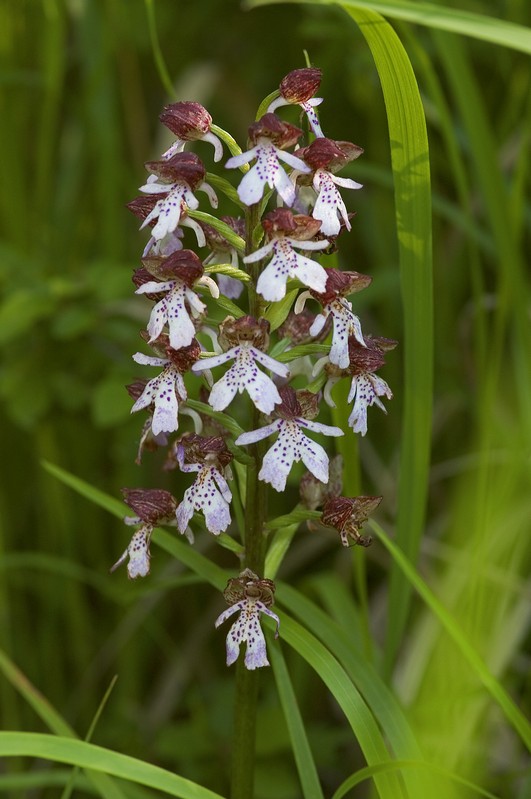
column 175, row 180
column 244, row 374
column 210, row 493
column 250, row 596
column 269, row 136
column 167, row 390
column 285, row 261
column 292, row 445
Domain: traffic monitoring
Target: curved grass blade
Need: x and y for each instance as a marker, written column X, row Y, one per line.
column 431, row 15
column 391, row 765
column 495, row 688
column 96, row 758
column 348, row 651
column 358, row 714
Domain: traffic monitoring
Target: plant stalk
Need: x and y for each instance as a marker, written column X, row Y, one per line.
column 247, row 682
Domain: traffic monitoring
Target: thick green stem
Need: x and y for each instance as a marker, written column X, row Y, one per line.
column 247, row 682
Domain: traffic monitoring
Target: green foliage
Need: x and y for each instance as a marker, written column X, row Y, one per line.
column 413, row 684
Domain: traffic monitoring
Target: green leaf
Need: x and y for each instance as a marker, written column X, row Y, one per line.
column 306, row 767
column 277, row 312
column 226, row 188
column 230, row 307
column 227, row 269
column 411, row 175
column 226, row 231
column 298, row 515
column 456, row 20
column 223, row 418
column 301, row 350
column 96, row 758
column 54, row 721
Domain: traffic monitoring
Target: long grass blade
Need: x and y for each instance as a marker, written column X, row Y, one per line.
column 514, row 715
column 306, row 767
column 455, row 20
column 96, row 758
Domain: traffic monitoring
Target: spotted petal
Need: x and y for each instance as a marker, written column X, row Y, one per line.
column 365, row 390
column 247, row 629
column 210, row 495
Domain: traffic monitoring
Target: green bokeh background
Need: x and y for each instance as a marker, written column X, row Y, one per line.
column 80, row 98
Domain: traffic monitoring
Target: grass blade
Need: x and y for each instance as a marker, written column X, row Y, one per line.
column 455, row 20
column 311, row 787
column 96, row 758
column 495, row 688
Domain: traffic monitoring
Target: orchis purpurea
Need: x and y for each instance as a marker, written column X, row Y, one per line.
column 286, row 231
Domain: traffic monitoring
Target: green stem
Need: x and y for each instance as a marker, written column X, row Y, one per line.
column 247, row 682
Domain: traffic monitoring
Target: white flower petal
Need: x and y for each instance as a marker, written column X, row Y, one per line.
column 315, row 459
column 263, row 392
column 280, row 369
column 223, row 392
column 251, row 188
column 257, row 435
column 241, row 159
column 346, row 183
column 230, row 287
column 215, row 360
column 257, row 255
column 216, row 143
column 293, row 161
column 149, row 360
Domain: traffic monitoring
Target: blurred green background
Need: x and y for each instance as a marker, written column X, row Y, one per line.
column 80, row 98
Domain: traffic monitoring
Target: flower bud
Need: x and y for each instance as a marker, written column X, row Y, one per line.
column 328, row 154
column 300, row 85
column 153, row 506
column 187, row 120
column 341, row 284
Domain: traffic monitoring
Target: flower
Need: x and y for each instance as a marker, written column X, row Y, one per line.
column 167, row 389
column 180, row 176
column 292, row 445
column 210, row 493
column 142, row 207
column 184, row 268
column 269, row 135
column 366, row 387
column 335, row 304
column 325, row 156
column 152, row 507
column 250, row 596
column 244, row 373
column 189, row 122
column 348, row 515
column 285, row 261
column 298, row 87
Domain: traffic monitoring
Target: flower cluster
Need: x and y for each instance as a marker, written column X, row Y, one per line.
column 257, row 369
